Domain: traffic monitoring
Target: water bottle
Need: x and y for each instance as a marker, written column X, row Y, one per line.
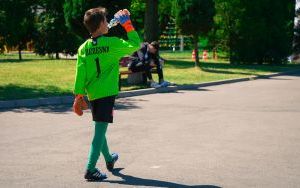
column 113, row 22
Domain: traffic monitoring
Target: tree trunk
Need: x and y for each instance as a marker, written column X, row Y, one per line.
column 197, row 63
column 181, row 43
column 151, row 21
column 296, row 31
column 20, row 54
column 57, row 55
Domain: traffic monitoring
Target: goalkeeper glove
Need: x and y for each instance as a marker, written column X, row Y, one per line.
column 79, row 105
column 123, row 18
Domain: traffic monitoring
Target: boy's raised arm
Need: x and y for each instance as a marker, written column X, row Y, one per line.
column 133, row 43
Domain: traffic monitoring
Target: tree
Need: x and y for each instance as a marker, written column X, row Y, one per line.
column 19, row 25
column 151, row 21
column 138, row 8
column 2, row 25
column 165, row 13
column 53, row 35
column 195, row 17
column 227, row 19
column 264, row 34
column 296, row 42
column 74, row 11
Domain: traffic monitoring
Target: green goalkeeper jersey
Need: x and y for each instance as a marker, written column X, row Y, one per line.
column 97, row 69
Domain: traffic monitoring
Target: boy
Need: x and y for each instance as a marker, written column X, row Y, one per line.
column 97, row 75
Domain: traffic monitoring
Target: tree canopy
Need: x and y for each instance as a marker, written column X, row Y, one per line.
column 256, row 31
column 263, row 33
column 74, row 11
column 195, row 17
column 17, row 27
column 53, row 35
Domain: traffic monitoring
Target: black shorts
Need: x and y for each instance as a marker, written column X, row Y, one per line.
column 102, row 109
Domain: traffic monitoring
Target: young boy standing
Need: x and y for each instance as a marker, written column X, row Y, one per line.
column 97, row 76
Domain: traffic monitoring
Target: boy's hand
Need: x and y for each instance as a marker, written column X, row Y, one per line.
column 123, row 16
column 79, row 105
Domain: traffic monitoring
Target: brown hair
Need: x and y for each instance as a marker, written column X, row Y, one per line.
column 93, row 18
column 155, row 44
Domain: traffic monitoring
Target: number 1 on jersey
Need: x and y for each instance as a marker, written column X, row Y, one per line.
column 98, row 66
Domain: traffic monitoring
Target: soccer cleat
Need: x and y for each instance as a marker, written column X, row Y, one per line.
column 95, row 176
column 110, row 165
column 155, row 85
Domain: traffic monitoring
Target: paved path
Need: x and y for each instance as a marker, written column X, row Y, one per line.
column 235, row 135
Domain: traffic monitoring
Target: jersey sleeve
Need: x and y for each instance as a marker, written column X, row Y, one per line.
column 80, row 77
column 123, row 47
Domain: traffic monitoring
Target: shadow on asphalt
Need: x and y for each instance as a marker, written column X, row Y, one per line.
column 13, row 91
column 274, row 78
column 121, row 104
column 136, row 181
column 128, row 103
column 58, row 109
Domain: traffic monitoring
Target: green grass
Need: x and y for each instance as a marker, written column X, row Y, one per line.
column 35, row 77
column 38, row 76
column 181, row 70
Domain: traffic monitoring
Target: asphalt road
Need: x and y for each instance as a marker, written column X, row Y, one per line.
column 245, row 134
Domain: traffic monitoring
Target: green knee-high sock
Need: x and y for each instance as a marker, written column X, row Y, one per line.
column 97, row 144
column 105, row 151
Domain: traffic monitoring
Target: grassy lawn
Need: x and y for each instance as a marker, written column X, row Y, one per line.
column 181, row 70
column 37, row 76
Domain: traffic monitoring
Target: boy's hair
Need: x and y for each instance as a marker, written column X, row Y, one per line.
column 93, row 18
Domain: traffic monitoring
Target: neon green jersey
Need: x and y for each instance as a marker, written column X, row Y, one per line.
column 97, row 69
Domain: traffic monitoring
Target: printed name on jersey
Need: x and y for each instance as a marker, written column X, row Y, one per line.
column 97, row 50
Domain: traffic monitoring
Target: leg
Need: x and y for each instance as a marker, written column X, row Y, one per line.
column 105, row 151
column 159, row 71
column 160, row 74
column 97, row 144
column 110, row 159
column 162, row 82
column 148, row 75
column 147, row 70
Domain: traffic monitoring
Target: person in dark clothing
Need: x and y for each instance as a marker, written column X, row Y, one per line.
column 145, row 59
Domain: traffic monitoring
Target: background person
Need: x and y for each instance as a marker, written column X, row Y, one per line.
column 146, row 58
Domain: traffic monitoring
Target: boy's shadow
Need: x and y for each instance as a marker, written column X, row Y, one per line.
column 136, row 181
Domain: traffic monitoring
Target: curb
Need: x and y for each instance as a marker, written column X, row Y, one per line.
column 69, row 99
